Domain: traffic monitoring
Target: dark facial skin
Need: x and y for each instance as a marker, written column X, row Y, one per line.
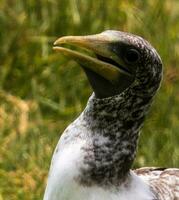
column 104, row 88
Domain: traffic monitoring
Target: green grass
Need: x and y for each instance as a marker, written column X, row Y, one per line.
column 41, row 92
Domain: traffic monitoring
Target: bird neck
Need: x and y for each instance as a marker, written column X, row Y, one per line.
column 113, row 127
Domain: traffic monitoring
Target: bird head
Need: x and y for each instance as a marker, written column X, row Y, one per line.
column 121, row 60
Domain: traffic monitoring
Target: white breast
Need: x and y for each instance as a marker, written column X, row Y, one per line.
column 64, row 167
column 62, row 185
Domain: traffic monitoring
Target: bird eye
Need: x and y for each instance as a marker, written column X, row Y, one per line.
column 132, row 56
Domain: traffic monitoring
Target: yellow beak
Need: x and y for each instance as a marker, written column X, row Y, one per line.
column 99, row 44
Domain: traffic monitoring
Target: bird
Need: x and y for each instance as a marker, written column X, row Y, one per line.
column 94, row 156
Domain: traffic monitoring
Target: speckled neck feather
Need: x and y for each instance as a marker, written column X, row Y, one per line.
column 114, row 125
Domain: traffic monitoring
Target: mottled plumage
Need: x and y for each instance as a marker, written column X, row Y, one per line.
column 163, row 182
column 94, row 156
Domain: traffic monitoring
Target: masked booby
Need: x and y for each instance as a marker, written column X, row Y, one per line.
column 94, row 156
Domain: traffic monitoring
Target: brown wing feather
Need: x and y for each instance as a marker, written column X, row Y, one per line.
column 163, row 182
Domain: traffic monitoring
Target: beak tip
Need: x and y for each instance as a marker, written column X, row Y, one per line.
column 55, row 43
column 56, row 48
column 59, row 41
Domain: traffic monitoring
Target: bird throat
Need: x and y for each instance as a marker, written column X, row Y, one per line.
column 113, row 128
column 103, row 88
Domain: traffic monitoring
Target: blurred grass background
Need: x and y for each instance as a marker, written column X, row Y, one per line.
column 41, row 92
